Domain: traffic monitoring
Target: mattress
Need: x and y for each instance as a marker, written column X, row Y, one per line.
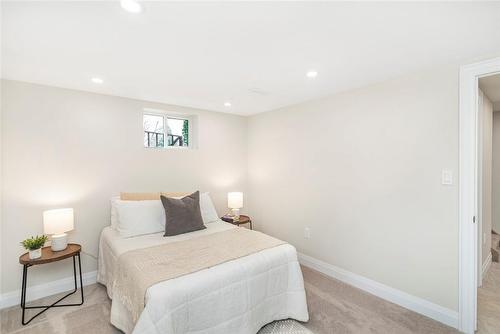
column 238, row 296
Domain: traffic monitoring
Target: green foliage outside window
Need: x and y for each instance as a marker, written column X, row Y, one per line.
column 185, row 132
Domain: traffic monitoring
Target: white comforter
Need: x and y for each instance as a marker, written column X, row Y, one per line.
column 238, row 296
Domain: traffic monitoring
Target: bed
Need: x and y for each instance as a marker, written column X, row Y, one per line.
column 238, row 296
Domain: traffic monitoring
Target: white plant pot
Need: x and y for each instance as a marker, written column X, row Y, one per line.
column 35, row 254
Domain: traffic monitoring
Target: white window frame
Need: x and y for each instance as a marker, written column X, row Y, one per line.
column 166, row 115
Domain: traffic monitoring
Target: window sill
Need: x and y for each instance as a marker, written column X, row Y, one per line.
column 181, row 148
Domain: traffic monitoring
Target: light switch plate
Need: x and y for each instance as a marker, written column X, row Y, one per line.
column 447, row 177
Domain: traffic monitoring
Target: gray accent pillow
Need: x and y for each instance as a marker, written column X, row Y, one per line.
column 182, row 215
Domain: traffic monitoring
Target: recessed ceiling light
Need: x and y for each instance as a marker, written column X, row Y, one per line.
column 312, row 74
column 131, row 6
column 227, row 104
column 98, row 81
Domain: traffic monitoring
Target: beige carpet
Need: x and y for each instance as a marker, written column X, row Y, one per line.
column 488, row 302
column 334, row 307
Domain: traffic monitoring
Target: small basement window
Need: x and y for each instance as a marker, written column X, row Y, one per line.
column 166, row 131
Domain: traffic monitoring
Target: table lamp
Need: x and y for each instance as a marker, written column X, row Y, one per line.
column 58, row 222
column 235, row 203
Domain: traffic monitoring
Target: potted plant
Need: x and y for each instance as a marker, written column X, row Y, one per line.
column 34, row 246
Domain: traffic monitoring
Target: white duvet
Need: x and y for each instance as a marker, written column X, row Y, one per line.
column 238, row 296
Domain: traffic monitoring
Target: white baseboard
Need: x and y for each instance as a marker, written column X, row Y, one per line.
column 44, row 290
column 487, row 265
column 416, row 304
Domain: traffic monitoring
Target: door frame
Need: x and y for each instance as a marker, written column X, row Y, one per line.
column 468, row 190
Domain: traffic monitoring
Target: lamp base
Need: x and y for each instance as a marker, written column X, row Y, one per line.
column 235, row 213
column 59, row 242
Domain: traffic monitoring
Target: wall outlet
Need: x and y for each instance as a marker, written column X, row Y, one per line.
column 307, row 233
column 447, row 177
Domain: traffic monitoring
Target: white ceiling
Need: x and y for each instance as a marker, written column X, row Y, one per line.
column 253, row 54
column 491, row 87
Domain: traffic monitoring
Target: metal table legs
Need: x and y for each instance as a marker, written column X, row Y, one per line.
column 56, row 303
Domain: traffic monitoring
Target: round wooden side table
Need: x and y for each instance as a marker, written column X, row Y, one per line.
column 49, row 256
column 243, row 220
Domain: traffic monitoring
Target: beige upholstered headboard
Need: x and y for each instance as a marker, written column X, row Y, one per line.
column 149, row 196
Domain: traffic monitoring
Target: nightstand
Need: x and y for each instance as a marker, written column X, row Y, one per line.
column 243, row 220
column 49, row 256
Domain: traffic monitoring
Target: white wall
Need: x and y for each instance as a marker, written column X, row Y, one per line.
column 65, row 148
column 362, row 169
column 486, row 161
column 496, row 172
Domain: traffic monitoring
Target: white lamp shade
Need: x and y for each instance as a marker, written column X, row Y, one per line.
column 58, row 221
column 235, row 200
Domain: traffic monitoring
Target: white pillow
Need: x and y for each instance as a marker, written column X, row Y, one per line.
column 139, row 217
column 207, row 209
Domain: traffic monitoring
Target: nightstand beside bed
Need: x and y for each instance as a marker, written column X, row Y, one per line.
column 49, row 256
column 243, row 220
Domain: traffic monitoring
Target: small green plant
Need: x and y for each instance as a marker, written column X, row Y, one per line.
column 34, row 242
